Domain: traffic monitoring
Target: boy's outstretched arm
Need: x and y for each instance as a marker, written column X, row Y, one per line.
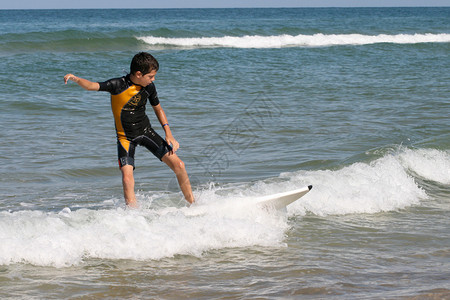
column 84, row 83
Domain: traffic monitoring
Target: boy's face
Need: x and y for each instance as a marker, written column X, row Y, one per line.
column 146, row 79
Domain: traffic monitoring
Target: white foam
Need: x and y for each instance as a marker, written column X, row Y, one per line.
column 382, row 185
column 69, row 237
column 430, row 164
column 280, row 41
column 223, row 217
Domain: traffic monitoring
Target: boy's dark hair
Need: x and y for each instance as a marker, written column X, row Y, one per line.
column 143, row 62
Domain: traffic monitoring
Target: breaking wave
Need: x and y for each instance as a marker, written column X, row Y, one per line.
column 224, row 216
column 285, row 40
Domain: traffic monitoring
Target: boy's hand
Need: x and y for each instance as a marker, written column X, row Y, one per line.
column 84, row 83
column 69, row 76
column 172, row 142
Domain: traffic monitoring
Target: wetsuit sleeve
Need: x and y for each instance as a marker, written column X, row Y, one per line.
column 153, row 95
column 114, row 86
column 105, row 86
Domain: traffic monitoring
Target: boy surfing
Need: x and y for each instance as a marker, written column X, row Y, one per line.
column 129, row 95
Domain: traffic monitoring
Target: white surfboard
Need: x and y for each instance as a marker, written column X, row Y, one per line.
column 281, row 200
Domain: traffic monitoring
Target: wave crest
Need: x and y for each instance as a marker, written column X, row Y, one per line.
column 282, row 41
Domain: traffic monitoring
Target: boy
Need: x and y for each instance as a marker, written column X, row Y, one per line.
column 129, row 96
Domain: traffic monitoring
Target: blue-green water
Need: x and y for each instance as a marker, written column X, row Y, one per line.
column 353, row 101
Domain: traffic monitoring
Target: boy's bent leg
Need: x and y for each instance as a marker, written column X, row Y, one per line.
column 128, row 185
column 177, row 166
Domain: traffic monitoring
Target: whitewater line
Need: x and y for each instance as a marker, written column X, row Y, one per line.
column 281, row 41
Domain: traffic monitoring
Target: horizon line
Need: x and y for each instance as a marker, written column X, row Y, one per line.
column 244, row 7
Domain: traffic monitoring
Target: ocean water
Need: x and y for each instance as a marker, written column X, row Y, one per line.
column 353, row 101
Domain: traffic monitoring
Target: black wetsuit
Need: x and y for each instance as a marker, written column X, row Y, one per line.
column 133, row 127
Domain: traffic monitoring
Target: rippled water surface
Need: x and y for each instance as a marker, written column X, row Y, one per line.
column 352, row 101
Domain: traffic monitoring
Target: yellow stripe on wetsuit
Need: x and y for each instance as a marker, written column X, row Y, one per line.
column 117, row 104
